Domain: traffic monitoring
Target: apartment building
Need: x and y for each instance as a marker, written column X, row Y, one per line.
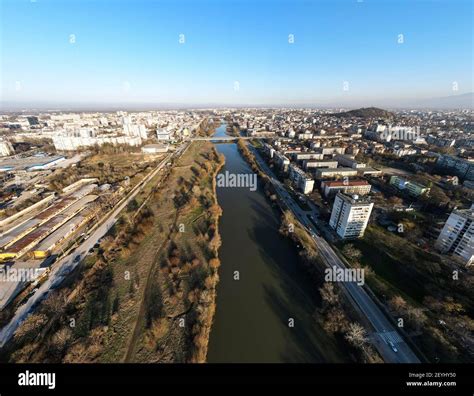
column 387, row 133
column 332, row 150
column 328, row 173
column 457, row 235
column 305, row 136
column 350, row 215
column 440, row 141
column 281, row 161
column 414, row 189
column 66, row 142
column 347, row 161
column 307, row 156
column 459, row 166
column 6, row 148
column 269, row 150
column 302, row 181
column 403, row 151
column 135, row 130
column 311, row 164
column 359, row 187
column 368, row 171
column 163, row 134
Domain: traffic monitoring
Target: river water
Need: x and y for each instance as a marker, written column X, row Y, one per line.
column 253, row 313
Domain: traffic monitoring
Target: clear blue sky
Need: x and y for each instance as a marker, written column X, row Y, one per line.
column 128, row 51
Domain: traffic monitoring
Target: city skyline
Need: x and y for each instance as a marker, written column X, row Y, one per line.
column 96, row 55
column 264, row 191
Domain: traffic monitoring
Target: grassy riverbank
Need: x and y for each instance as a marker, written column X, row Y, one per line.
column 147, row 294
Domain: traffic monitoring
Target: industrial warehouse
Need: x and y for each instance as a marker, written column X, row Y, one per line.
column 33, row 163
column 54, row 222
column 38, row 232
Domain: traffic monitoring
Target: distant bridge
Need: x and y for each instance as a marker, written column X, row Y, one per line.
column 222, row 138
column 233, row 138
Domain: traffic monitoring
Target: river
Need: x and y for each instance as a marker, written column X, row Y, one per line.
column 251, row 323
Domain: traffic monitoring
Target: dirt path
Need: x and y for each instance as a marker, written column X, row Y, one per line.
column 130, row 349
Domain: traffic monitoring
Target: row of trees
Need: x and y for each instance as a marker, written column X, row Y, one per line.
column 336, row 322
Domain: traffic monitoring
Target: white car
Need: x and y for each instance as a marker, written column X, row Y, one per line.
column 392, row 345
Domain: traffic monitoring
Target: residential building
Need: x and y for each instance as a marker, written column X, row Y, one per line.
column 268, row 149
column 457, row 235
column 461, row 167
column 368, row 171
column 359, row 187
column 302, row 181
column 310, row 164
column 163, row 134
column 67, row 142
column 414, row 189
column 387, row 133
column 350, row 215
column 135, row 130
column 305, row 136
column 6, row 148
column 307, row 156
column 345, row 160
column 332, row 150
column 281, row 161
column 440, row 142
column 328, row 173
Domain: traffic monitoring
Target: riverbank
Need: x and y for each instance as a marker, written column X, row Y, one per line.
column 148, row 293
column 188, row 264
column 201, row 353
column 265, row 180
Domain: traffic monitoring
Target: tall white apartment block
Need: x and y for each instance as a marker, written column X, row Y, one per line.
column 135, row 130
column 6, row 148
column 281, row 161
column 457, row 235
column 350, row 215
column 268, row 149
column 302, row 181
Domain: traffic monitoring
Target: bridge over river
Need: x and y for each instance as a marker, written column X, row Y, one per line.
column 233, row 138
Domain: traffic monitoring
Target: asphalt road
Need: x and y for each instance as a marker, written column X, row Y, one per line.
column 384, row 330
column 65, row 265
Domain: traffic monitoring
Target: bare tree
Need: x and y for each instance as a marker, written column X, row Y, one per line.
column 329, row 294
column 356, row 335
column 30, row 327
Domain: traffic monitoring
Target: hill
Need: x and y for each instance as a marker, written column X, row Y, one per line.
column 366, row 112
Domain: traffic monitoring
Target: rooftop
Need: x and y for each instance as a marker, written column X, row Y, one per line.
column 346, row 183
column 354, row 199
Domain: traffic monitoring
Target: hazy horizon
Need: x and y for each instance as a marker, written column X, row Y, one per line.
column 436, row 104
